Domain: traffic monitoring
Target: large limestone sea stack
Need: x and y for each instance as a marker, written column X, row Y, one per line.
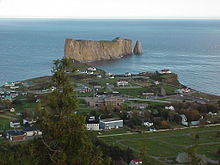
column 88, row 51
column 138, row 48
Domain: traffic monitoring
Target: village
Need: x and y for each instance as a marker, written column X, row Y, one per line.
column 135, row 102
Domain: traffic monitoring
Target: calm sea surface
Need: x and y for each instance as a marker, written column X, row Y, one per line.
column 191, row 48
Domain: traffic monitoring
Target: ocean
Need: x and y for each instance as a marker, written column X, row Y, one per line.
column 190, row 48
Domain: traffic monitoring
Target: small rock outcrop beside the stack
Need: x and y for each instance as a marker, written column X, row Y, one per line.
column 138, row 48
column 88, row 51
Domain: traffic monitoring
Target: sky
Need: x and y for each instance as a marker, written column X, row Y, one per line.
column 114, row 9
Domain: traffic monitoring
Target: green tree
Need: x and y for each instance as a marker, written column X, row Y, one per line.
column 65, row 139
column 192, row 152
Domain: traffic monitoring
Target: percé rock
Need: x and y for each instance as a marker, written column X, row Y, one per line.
column 87, row 50
column 138, row 48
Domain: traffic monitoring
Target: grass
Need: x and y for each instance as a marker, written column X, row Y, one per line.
column 114, row 131
column 136, row 92
column 25, row 106
column 170, row 89
column 170, row 143
column 4, row 124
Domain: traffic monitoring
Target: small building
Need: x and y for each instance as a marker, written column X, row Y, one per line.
column 15, row 124
column 99, row 76
column 183, row 120
column 165, row 71
column 136, row 162
column 30, row 131
column 156, row 82
column 12, row 110
column 147, row 123
column 127, row 74
column 122, row 82
column 91, row 69
column 170, row 108
column 29, row 121
column 14, row 135
column 111, row 123
column 9, row 84
column 92, row 125
column 86, row 90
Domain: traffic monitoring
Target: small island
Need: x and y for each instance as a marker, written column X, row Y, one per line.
column 89, row 51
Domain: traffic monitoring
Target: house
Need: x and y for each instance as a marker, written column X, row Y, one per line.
column 90, row 73
column 127, row 74
column 9, row 84
column 91, row 69
column 156, row 82
column 170, row 108
column 110, row 123
column 108, row 74
column 101, row 100
column 86, row 90
column 97, row 87
column 114, row 102
column 122, row 82
column 29, row 121
column 184, row 120
column 138, row 106
column 136, row 162
column 186, row 90
column 99, row 76
column 147, row 94
column 92, row 123
column 14, row 135
column 165, row 71
column 147, row 123
column 15, row 124
column 12, row 110
column 30, row 131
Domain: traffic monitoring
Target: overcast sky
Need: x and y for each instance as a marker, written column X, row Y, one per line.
column 110, row 8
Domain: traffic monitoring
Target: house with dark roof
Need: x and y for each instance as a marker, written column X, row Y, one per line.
column 14, row 135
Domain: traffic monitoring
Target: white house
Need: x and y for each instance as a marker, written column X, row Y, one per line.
column 184, row 120
column 32, row 131
column 99, row 76
column 15, row 124
column 28, row 121
column 12, row 110
column 156, row 82
column 91, row 69
column 136, row 162
column 122, row 83
column 170, row 108
column 148, row 124
column 92, row 126
column 127, row 74
column 165, row 71
column 110, row 123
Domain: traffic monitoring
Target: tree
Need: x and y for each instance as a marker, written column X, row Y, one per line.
column 192, row 154
column 65, row 139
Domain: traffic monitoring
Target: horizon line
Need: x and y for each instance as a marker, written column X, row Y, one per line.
column 118, row 18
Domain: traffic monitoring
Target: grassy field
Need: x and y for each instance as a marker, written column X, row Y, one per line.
column 4, row 124
column 136, row 92
column 166, row 145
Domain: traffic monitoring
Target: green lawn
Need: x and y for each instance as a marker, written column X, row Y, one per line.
column 4, row 124
column 170, row 143
column 25, row 106
column 136, row 92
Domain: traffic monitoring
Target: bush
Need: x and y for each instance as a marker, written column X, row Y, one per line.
column 164, row 124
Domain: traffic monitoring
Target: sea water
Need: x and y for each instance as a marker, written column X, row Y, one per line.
column 190, row 48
